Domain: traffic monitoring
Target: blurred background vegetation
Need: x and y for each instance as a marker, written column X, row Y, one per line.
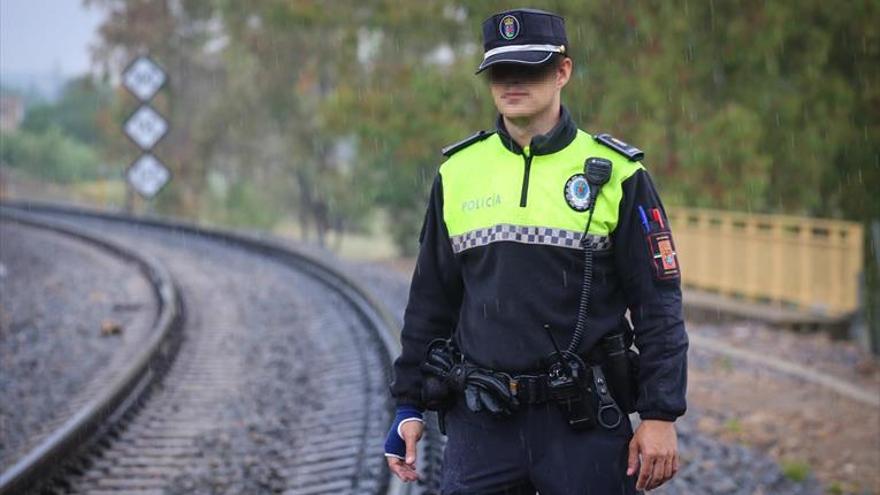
column 329, row 115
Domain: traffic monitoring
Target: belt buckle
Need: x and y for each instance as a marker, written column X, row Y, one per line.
column 525, row 383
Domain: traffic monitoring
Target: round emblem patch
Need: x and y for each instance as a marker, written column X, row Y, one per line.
column 577, row 192
column 509, row 27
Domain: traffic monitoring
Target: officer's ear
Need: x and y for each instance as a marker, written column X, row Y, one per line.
column 563, row 71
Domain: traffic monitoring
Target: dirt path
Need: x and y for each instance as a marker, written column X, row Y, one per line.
column 805, row 426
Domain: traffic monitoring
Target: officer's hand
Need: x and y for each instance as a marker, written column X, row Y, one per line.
column 656, row 442
column 405, row 469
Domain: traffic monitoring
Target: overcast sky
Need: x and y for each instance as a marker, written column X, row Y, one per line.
column 40, row 36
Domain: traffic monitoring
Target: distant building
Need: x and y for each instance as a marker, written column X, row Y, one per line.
column 11, row 112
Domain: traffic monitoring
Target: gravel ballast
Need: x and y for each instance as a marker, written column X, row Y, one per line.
column 70, row 315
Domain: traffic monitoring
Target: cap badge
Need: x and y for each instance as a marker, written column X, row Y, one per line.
column 509, row 27
column 577, row 192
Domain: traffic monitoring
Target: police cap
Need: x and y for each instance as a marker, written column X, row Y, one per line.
column 522, row 36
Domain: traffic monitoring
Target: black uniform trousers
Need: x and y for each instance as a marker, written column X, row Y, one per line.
column 533, row 450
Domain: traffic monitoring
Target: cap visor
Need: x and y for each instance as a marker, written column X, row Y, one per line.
column 524, row 58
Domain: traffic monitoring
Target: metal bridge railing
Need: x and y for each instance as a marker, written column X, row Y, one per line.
column 811, row 264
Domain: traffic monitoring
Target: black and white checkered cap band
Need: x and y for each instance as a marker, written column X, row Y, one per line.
column 547, row 236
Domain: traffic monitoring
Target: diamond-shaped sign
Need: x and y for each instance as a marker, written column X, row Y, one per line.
column 147, row 175
column 145, row 127
column 143, row 78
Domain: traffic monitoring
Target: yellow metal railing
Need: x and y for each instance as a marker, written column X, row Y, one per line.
column 813, row 264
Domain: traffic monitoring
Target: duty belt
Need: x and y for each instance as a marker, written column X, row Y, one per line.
column 533, row 388
column 530, row 389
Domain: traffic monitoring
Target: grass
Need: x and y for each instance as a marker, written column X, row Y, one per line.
column 795, row 469
column 733, row 425
column 102, row 192
column 842, row 488
column 724, row 363
column 372, row 245
column 835, row 488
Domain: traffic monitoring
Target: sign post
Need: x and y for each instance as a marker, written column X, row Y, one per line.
column 143, row 78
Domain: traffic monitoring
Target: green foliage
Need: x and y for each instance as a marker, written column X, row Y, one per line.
column 795, row 470
column 76, row 112
column 722, row 164
column 733, row 426
column 58, row 141
column 243, row 205
column 841, row 488
column 51, row 155
column 401, row 148
column 748, row 105
column 745, row 105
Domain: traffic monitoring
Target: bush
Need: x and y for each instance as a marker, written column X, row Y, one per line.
column 241, row 204
column 50, row 155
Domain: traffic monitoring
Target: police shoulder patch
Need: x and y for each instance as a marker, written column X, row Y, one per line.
column 663, row 255
column 632, row 153
column 464, row 143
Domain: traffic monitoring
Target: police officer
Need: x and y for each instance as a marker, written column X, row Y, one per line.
column 502, row 270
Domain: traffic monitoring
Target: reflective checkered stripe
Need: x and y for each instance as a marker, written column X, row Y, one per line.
column 547, row 236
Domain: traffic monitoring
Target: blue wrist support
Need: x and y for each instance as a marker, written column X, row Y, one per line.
column 394, row 444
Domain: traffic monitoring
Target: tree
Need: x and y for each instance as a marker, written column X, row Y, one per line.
column 77, row 111
column 336, row 112
column 177, row 34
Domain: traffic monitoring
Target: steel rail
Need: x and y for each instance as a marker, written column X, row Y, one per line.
column 98, row 414
column 372, row 313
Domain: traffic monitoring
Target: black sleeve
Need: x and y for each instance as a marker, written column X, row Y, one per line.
column 434, row 300
column 651, row 279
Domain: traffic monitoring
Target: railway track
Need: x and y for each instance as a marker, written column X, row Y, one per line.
column 50, row 342
column 278, row 383
column 88, row 415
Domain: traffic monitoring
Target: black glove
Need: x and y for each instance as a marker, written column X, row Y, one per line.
column 440, row 357
column 439, row 361
column 445, row 372
column 484, row 390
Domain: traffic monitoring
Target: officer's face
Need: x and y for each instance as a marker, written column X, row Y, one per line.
column 523, row 91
